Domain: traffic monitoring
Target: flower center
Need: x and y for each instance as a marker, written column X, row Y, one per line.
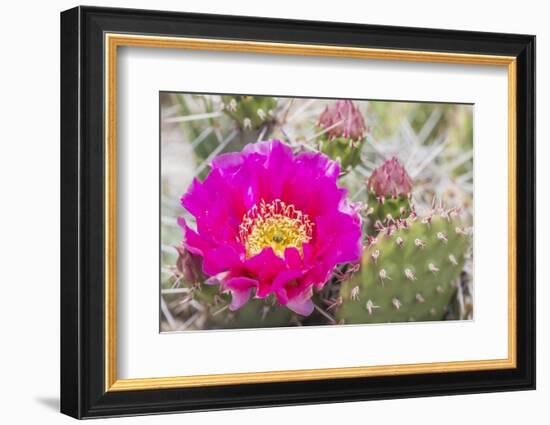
column 274, row 224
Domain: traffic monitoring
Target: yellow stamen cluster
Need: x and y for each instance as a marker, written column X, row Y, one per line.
column 274, row 224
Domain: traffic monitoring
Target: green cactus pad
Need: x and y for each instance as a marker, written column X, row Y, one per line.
column 408, row 275
column 343, row 150
column 397, row 207
column 250, row 112
column 256, row 313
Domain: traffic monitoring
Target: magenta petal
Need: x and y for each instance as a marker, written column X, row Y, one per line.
column 241, row 290
column 194, row 200
column 266, row 265
column 264, row 289
column 218, row 260
column 216, row 280
column 316, row 160
column 307, row 252
column 288, row 277
column 265, row 148
column 191, row 240
column 238, row 283
column 285, row 277
column 227, row 160
column 342, row 242
column 239, row 297
column 293, row 258
column 302, row 307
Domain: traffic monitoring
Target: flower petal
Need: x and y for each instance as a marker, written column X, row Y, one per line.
column 304, row 307
column 241, row 290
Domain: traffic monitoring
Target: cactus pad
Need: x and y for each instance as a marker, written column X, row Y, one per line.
column 397, row 207
column 408, row 272
column 250, row 112
column 344, row 150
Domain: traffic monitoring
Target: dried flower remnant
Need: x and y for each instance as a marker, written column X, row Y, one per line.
column 189, row 265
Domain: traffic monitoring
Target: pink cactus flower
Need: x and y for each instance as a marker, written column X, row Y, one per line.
column 390, row 180
column 343, row 119
column 269, row 222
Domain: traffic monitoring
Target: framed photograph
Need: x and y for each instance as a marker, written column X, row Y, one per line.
column 261, row 212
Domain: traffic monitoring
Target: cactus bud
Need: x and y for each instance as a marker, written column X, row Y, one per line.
column 343, row 132
column 343, row 119
column 390, row 180
column 389, row 188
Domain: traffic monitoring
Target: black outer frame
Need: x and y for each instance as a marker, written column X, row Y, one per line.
column 82, row 206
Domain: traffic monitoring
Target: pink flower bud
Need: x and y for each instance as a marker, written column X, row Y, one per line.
column 390, row 180
column 343, row 119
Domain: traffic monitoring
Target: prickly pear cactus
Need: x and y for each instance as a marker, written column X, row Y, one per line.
column 408, row 271
column 250, row 112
